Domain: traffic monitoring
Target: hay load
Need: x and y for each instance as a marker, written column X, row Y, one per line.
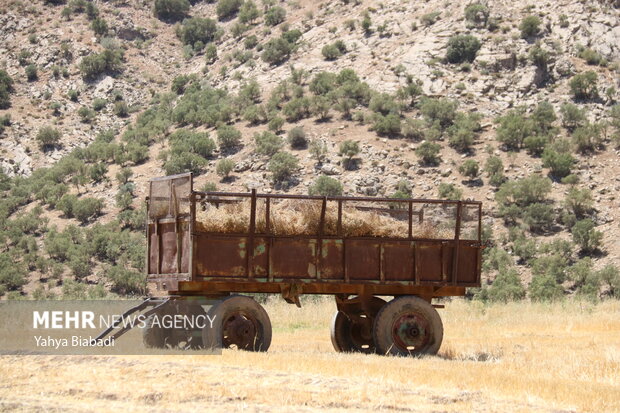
column 302, row 217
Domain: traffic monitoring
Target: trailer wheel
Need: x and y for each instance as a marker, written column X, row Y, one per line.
column 155, row 336
column 408, row 325
column 238, row 322
column 351, row 330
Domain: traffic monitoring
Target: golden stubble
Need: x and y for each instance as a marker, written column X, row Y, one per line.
column 514, row 357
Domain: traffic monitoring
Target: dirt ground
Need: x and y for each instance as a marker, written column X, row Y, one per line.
column 516, row 357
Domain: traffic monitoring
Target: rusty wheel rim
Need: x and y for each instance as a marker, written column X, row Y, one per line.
column 410, row 332
column 240, row 330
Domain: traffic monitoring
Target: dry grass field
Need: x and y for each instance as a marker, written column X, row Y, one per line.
column 516, row 357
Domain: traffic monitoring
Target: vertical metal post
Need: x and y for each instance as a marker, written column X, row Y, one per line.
column 339, row 228
column 457, row 236
column 267, row 215
column 410, row 219
column 319, row 250
column 249, row 252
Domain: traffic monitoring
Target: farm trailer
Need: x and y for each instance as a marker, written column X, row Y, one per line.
column 415, row 265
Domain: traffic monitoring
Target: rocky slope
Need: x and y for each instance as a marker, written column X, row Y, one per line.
column 404, row 40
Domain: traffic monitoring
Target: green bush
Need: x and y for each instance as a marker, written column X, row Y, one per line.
column 334, row 50
column 496, row 259
column 297, row 109
column 470, row 169
column 462, row 48
column 530, row 26
column 610, row 276
column 6, row 88
column 348, row 149
column 275, row 124
column 586, row 236
column 86, row 114
column 538, row 217
column 383, row 103
column 48, row 137
column 323, row 83
column 98, row 172
column 543, row 117
column 224, row 167
column 228, row 137
column 539, row 56
column 525, row 248
column 583, row 86
column 506, row 287
column 108, row 62
column 513, row 128
column 227, row 8
column 431, row 18
column 267, row 143
column 464, row 130
column 297, row 138
column 449, row 191
column 494, row 168
column 274, row 16
column 325, row 186
column 282, row 166
column 99, row 26
column 545, row 288
column 276, row 51
column 184, row 140
column 413, row 129
column 587, row 138
column 388, row 125
column 211, row 54
column 535, row 145
column 591, row 57
column 477, row 13
column 318, row 150
column 248, row 12
column 126, row 282
column 572, row 116
column 428, row 152
column 171, row 9
column 523, row 192
column 558, row 161
column 121, row 109
column 87, row 208
column 32, row 73
column 99, row 104
column 195, row 30
column 439, row 111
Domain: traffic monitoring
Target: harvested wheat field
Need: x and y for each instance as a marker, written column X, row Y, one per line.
column 516, row 357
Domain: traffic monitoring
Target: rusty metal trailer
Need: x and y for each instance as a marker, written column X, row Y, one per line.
column 188, row 262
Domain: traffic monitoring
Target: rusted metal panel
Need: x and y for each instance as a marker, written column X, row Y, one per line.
column 220, row 255
column 293, row 258
column 398, row 261
column 468, row 262
column 363, row 259
column 332, row 259
column 429, row 261
column 260, row 261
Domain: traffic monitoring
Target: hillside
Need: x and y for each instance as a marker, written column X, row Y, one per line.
column 514, row 104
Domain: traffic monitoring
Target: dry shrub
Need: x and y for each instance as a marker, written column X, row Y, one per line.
column 302, row 217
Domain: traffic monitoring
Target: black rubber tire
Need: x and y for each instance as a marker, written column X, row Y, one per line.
column 248, row 319
column 408, row 325
column 350, row 338
column 155, row 336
